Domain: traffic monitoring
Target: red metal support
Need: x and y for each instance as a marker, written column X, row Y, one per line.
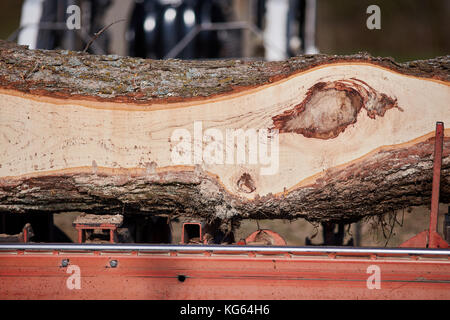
column 430, row 238
column 433, row 236
column 82, row 228
column 97, row 222
column 25, row 234
column 446, row 226
column 192, row 232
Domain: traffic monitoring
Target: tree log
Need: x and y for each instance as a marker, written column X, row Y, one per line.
column 326, row 138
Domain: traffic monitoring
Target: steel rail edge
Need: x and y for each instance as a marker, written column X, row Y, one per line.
column 223, row 248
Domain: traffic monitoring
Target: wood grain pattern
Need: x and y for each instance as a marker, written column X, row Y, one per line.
column 355, row 135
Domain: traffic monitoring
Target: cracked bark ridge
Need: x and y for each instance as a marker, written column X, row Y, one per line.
column 68, row 74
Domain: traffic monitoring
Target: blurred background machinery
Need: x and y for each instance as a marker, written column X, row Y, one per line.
column 257, row 29
column 186, row 29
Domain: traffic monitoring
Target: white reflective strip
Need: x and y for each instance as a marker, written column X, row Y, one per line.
column 310, row 27
column 30, row 17
column 275, row 31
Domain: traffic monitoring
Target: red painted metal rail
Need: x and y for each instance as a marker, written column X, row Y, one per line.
column 430, row 238
column 201, row 272
column 46, row 271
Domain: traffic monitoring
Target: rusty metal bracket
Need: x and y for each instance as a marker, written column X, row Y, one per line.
column 97, row 222
column 192, row 233
column 430, row 238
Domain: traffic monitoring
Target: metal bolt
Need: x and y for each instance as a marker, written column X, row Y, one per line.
column 64, row 263
column 113, row 263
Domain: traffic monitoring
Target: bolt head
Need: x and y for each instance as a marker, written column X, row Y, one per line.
column 113, row 263
column 64, row 262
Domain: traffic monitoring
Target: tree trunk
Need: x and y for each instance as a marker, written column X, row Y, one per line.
column 326, row 138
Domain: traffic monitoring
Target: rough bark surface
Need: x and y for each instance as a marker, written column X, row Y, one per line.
column 386, row 179
column 126, row 79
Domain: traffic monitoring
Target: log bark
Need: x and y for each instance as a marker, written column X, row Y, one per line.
column 99, row 134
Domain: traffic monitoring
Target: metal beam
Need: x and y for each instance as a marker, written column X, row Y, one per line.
column 223, row 248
